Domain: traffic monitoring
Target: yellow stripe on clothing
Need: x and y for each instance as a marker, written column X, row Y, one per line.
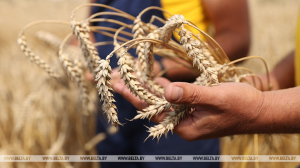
column 297, row 53
column 191, row 9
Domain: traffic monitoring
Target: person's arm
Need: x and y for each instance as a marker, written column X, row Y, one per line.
column 284, row 72
column 228, row 109
column 282, row 76
column 232, row 26
column 230, row 19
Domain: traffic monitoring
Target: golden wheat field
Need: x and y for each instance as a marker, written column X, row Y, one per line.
column 42, row 116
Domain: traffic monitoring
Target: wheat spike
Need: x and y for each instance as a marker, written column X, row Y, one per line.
column 81, row 30
column 192, row 47
column 130, row 80
column 34, row 58
column 152, row 110
column 75, row 72
column 104, row 90
column 140, row 49
column 149, row 56
column 169, row 123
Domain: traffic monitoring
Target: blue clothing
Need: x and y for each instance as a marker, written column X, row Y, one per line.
column 130, row 138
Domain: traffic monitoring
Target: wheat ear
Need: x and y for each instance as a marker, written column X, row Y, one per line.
column 81, row 30
column 192, row 47
column 75, row 72
column 149, row 55
column 34, row 58
column 171, row 25
column 152, row 110
column 138, row 32
column 129, row 79
column 150, row 84
column 146, row 58
column 104, row 90
column 149, row 71
column 158, row 104
column 169, row 123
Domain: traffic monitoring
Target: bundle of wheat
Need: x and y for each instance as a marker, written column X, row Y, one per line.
column 203, row 54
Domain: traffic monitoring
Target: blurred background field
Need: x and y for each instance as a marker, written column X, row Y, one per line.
column 273, row 30
column 33, row 107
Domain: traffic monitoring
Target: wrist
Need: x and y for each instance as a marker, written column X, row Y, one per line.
column 273, row 118
column 282, row 111
column 265, row 121
column 258, row 118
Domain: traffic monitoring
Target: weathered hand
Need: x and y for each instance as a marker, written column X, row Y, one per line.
column 226, row 109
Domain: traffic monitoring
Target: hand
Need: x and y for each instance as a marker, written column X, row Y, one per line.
column 226, row 109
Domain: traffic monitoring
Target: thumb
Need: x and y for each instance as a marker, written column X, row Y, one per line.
column 185, row 93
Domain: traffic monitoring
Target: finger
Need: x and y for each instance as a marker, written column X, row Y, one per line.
column 125, row 92
column 162, row 81
column 185, row 93
column 187, row 129
column 160, row 117
column 191, row 129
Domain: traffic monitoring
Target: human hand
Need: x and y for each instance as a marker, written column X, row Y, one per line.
column 226, row 109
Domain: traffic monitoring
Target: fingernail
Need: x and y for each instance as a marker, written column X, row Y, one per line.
column 177, row 93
